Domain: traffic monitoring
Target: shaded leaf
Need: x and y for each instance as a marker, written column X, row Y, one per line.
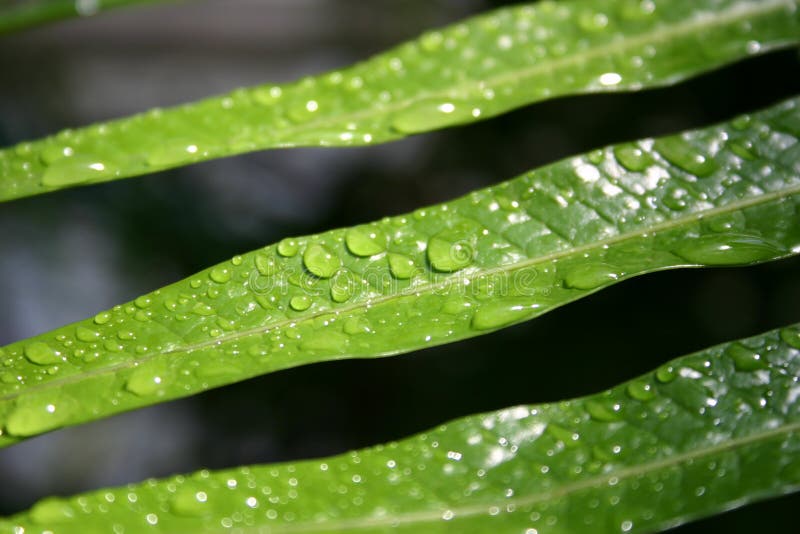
column 495, row 257
column 704, row 433
column 469, row 71
column 23, row 14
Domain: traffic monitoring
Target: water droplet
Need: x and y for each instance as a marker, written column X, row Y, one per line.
column 680, row 153
column 641, row 390
column 590, row 276
column 365, row 241
column 742, row 148
column 76, row 170
column 320, row 261
column 791, row 336
column 300, row 302
column 86, row 334
column 744, row 359
column 38, row 413
column 50, row 511
column 266, row 265
column 147, row 379
column 220, row 274
column 675, row 198
column 742, row 122
column 326, row 341
column 429, row 115
column 202, row 309
column 609, row 79
column 726, row 249
column 343, row 286
column 174, row 151
column 592, row 21
column 189, row 501
column 632, row 157
column 603, row 411
column 495, row 315
column 451, row 250
column 665, row 374
column 143, row 302
column 41, row 353
column 402, row 266
column 357, row 325
column 102, row 318
column 288, row 247
column 568, row 437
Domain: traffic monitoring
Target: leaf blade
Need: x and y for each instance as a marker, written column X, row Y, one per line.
column 704, row 433
column 530, row 53
column 482, row 262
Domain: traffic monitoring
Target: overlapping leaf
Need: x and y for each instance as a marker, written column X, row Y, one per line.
column 469, row 71
column 725, row 195
column 702, row 434
column 21, row 14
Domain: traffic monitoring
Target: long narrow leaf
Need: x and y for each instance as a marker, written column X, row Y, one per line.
column 469, row 71
column 726, row 195
column 22, row 14
column 705, row 433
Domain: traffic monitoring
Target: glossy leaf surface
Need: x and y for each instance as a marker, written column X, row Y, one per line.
column 21, row 14
column 469, row 71
column 726, row 195
column 702, row 434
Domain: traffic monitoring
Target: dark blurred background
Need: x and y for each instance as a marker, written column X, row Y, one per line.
column 67, row 255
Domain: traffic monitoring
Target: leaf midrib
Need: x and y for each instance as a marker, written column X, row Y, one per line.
column 433, row 287
column 477, row 509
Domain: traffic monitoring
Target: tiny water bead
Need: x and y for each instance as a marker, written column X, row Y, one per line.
column 666, row 374
column 744, row 359
column 300, row 302
column 320, row 261
column 365, row 241
column 791, row 336
column 451, row 250
column 86, row 334
column 266, row 265
column 602, row 411
column 641, row 390
column 220, row 274
column 288, row 247
column 632, row 157
column 401, row 266
column 41, row 353
column 102, row 318
column 190, row 501
column 343, row 286
column 680, row 153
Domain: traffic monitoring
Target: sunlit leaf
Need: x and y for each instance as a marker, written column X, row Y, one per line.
column 704, row 433
column 725, row 195
column 469, row 71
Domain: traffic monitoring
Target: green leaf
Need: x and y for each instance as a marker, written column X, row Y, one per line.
column 725, row 195
column 23, row 14
column 473, row 70
column 704, row 433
